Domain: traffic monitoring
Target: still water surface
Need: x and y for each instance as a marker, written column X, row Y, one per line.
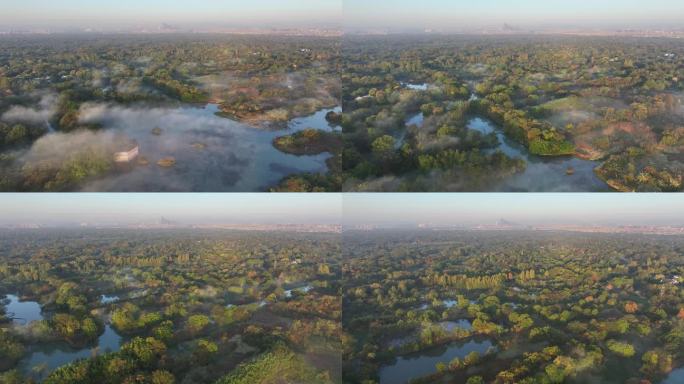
column 543, row 173
column 212, row 153
column 423, row 363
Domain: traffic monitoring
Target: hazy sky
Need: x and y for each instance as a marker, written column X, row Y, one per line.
column 454, row 15
column 183, row 13
column 196, row 208
column 524, row 208
column 350, row 208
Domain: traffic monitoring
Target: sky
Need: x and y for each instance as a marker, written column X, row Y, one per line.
column 454, row 15
column 195, row 208
column 349, row 208
column 525, row 208
column 180, row 13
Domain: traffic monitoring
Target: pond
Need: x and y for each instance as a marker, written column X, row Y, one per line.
column 303, row 289
column 399, row 342
column 416, row 86
column 211, row 153
column 460, row 323
column 316, row 120
column 23, row 312
column 416, row 119
column 675, row 377
column 423, row 363
column 543, row 173
column 400, row 135
column 43, row 359
column 105, row 299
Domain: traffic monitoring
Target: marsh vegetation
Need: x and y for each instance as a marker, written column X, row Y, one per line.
column 70, row 105
column 512, row 307
column 169, row 306
column 589, row 113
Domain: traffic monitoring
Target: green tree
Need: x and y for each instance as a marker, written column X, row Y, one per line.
column 16, row 134
column 163, row 331
column 196, row 323
column 620, row 348
column 162, row 377
column 146, row 351
column 89, row 328
column 383, row 146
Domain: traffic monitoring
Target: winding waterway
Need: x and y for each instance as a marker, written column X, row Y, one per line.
column 543, row 173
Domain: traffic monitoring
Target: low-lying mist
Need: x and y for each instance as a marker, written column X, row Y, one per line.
column 40, row 114
column 206, row 152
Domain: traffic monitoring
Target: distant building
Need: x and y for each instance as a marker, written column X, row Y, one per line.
column 128, row 155
column 165, row 221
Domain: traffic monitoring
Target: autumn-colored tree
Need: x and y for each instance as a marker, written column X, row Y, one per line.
column 631, row 307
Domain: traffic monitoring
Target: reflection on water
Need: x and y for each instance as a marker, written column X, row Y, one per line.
column 675, row 377
column 211, row 153
column 317, row 120
column 507, row 146
column 416, row 87
column 46, row 358
column 400, row 135
column 449, row 303
column 416, row 119
column 399, row 342
column 543, row 173
column 461, row 323
column 23, row 312
column 304, row 289
column 423, row 363
column 104, row 299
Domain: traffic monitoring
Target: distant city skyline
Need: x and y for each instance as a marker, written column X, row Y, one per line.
column 182, row 208
column 65, row 15
column 410, row 209
column 403, row 16
column 381, row 209
column 525, row 15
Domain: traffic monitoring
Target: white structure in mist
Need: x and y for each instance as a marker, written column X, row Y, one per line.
column 127, row 156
